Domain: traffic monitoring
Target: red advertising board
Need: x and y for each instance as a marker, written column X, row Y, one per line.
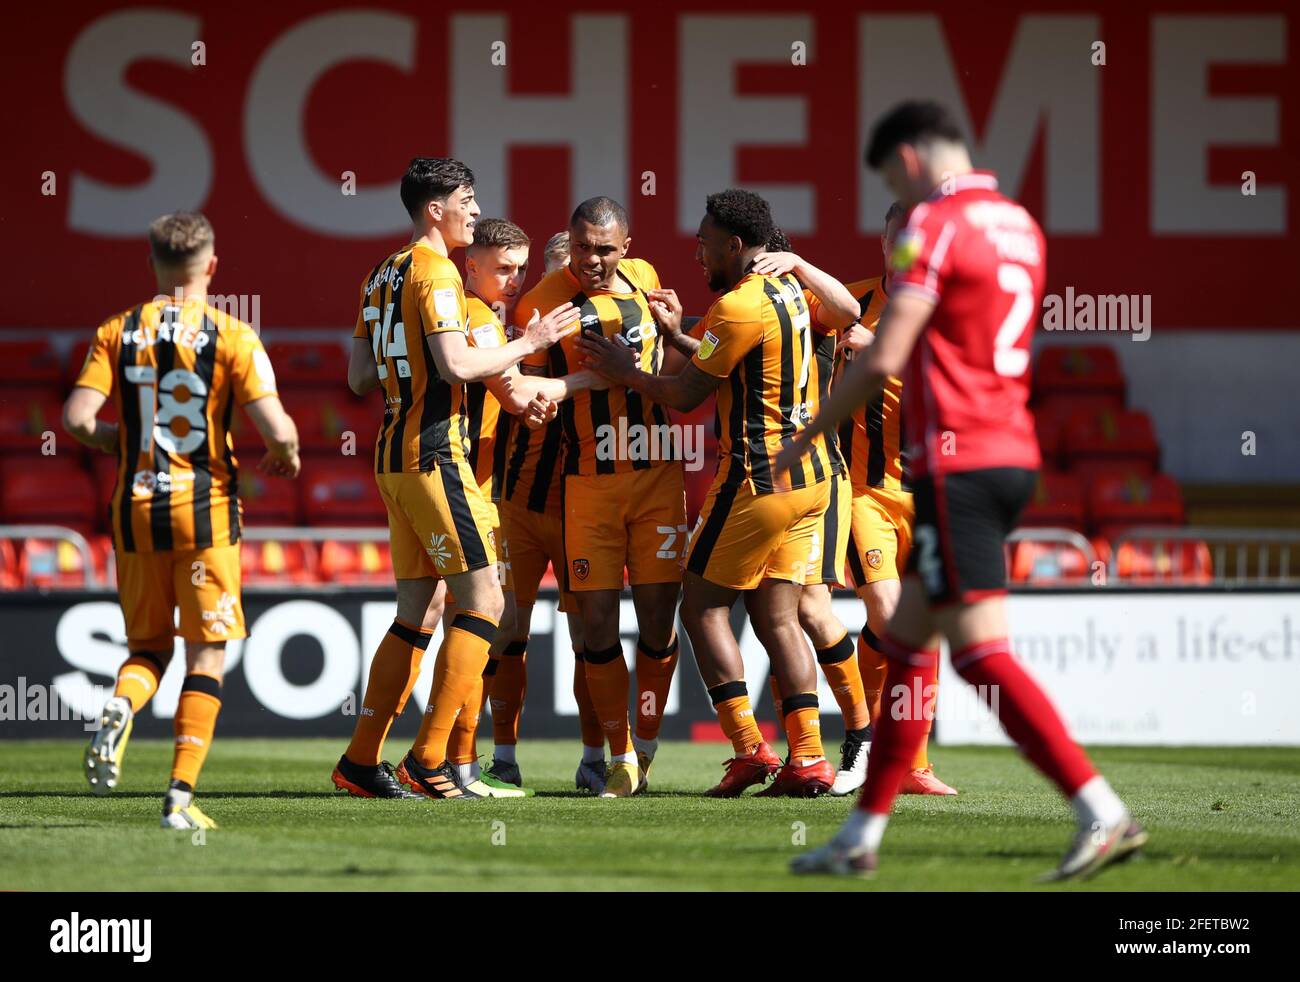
column 1132, row 153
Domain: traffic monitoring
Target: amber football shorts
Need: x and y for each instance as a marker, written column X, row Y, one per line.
column 536, row 539
column 636, row 520
column 439, row 523
column 204, row 583
column 880, row 536
column 833, row 536
column 742, row 538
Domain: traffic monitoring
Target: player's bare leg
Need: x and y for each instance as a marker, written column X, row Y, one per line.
column 838, row 662
column 457, row 674
column 656, row 661
column 361, row 771
column 195, row 722
column 774, row 613
column 706, row 616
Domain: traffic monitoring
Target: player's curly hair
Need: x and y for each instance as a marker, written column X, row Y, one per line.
column 432, row 179
column 779, row 242
column 744, row 214
column 910, row 122
column 490, row 232
column 177, row 238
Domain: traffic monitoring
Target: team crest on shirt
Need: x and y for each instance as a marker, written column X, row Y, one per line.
column 907, row 248
column 581, row 568
column 708, row 345
column 875, row 559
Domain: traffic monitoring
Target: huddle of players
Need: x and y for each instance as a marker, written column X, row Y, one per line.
column 602, row 343
column 478, row 506
column 604, row 349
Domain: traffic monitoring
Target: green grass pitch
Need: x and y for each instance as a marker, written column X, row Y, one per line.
column 1220, row 819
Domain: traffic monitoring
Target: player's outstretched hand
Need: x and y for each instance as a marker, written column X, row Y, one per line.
column 616, row 362
column 856, row 338
column 542, row 332
column 540, row 411
column 273, row 464
column 775, row 263
column 666, row 309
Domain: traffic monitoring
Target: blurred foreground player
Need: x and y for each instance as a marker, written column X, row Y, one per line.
column 968, row 278
column 879, row 527
column 175, row 368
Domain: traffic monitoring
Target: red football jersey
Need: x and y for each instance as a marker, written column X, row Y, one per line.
column 980, row 257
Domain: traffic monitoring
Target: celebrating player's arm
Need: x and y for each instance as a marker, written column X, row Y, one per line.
column 525, row 392
column 682, row 391
column 838, row 308
column 458, row 361
column 900, row 325
column 80, row 420
column 280, row 435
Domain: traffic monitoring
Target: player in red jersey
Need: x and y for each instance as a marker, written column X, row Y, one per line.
column 968, row 280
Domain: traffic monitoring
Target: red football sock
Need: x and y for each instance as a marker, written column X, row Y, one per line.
column 900, row 729
column 1026, row 714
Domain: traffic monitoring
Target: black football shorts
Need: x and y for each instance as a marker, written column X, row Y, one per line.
column 962, row 522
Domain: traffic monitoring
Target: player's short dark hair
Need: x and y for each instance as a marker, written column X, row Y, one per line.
column 600, row 211
column 895, row 210
column 910, row 122
column 778, row 241
column 177, row 238
column 432, row 179
column 490, row 232
column 744, row 214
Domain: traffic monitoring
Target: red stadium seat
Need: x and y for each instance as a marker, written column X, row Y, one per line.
column 1049, row 564
column 9, row 576
column 357, row 563
column 47, row 490
column 1111, row 443
column 26, row 414
column 267, row 500
column 1049, row 424
column 1058, row 500
column 268, row 562
column 1078, row 377
column 325, row 415
column 1164, row 560
column 1116, row 503
column 29, row 363
column 53, row 564
column 336, row 493
column 309, row 363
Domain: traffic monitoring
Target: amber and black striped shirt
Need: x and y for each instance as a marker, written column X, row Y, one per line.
column 175, row 371
column 414, row 293
column 870, row 440
column 758, row 338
